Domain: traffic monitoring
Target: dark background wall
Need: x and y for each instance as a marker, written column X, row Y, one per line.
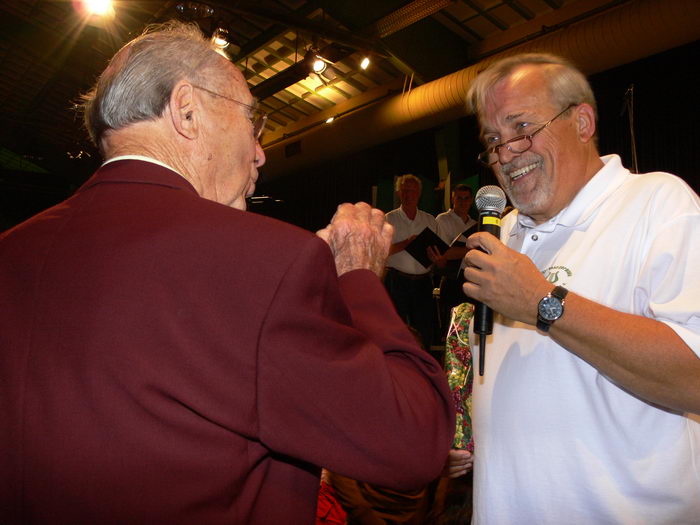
column 666, row 112
column 666, row 118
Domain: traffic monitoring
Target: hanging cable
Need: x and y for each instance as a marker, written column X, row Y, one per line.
column 629, row 107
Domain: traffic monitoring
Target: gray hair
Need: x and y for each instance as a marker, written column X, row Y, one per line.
column 567, row 85
column 137, row 84
column 405, row 178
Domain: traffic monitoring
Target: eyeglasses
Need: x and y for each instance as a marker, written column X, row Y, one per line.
column 519, row 144
column 257, row 117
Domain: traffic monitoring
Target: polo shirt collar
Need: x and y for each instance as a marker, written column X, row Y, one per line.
column 586, row 202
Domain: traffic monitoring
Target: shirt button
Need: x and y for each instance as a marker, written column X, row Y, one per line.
column 534, row 237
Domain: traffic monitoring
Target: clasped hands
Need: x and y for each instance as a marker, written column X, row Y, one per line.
column 359, row 238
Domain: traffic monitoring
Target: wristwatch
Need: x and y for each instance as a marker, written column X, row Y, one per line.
column 550, row 308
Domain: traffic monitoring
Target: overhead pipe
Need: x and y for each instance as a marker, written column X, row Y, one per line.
column 632, row 31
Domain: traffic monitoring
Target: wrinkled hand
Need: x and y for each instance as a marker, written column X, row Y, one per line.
column 359, row 238
column 503, row 279
column 458, row 463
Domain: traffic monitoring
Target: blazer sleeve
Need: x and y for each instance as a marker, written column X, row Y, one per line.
column 343, row 384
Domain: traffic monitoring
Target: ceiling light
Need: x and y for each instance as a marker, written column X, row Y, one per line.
column 330, row 119
column 220, row 38
column 194, row 10
column 315, row 62
column 365, row 63
column 98, row 7
column 319, row 65
column 95, row 12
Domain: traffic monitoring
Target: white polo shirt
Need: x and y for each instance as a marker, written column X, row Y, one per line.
column 556, row 441
column 450, row 226
column 403, row 229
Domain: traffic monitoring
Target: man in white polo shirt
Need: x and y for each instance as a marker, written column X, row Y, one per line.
column 585, row 412
column 455, row 221
column 408, row 282
column 453, row 227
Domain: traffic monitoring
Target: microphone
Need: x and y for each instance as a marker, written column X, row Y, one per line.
column 490, row 201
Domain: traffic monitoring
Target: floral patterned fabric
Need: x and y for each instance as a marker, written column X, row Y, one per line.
column 460, row 375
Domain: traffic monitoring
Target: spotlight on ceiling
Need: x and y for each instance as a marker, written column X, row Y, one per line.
column 319, row 65
column 225, row 42
column 330, row 119
column 98, row 7
column 95, row 12
column 315, row 62
column 194, row 10
column 365, row 63
column 220, row 38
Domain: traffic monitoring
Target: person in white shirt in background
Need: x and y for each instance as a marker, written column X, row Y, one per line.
column 455, row 221
column 454, row 226
column 408, row 282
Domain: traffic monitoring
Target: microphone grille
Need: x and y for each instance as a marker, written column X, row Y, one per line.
column 490, row 198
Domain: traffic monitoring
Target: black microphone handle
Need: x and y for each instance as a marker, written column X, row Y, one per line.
column 483, row 315
column 483, row 319
column 493, row 229
column 489, row 221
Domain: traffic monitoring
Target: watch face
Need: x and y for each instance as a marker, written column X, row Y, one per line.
column 550, row 308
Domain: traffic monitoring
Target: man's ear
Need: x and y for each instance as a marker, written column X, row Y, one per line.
column 183, row 112
column 585, row 122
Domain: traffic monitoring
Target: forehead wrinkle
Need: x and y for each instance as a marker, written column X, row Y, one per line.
column 512, row 117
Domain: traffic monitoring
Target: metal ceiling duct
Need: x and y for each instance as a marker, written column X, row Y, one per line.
column 634, row 30
column 407, row 15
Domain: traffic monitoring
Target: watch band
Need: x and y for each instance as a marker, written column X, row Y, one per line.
column 560, row 293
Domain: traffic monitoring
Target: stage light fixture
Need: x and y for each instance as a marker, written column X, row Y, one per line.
column 98, row 7
column 319, row 65
column 220, row 38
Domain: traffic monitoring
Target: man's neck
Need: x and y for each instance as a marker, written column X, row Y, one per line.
column 410, row 212
column 592, row 164
column 462, row 215
column 137, row 139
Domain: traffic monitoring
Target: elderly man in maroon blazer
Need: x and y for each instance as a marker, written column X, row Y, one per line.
column 166, row 357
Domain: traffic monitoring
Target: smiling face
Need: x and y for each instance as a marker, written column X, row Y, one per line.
column 543, row 180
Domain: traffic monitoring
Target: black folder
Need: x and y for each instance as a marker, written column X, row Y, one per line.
column 453, row 267
column 418, row 247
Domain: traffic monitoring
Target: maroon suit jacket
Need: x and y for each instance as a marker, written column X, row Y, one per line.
column 166, row 359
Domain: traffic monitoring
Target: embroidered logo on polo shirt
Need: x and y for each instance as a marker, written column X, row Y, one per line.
column 557, row 274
